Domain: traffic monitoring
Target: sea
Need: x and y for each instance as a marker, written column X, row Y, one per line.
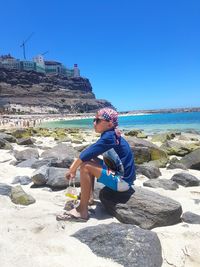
column 150, row 123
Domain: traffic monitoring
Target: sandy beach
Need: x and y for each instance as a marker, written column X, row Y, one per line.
column 25, row 121
column 33, row 230
column 31, row 236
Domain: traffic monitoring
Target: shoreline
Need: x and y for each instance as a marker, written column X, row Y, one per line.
column 10, row 121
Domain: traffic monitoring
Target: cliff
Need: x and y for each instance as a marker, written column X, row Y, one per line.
column 33, row 92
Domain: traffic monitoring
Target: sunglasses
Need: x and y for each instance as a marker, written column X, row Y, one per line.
column 97, row 120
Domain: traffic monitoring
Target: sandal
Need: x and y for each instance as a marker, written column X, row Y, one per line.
column 70, row 218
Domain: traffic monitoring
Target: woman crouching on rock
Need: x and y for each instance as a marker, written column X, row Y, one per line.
column 116, row 152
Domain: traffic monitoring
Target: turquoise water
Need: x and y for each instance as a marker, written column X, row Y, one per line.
column 149, row 123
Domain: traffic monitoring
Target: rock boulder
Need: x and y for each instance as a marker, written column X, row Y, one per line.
column 143, row 208
column 125, row 244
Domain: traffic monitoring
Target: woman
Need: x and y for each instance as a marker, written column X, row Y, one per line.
column 121, row 179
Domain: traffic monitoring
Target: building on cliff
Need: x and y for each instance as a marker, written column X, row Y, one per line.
column 38, row 64
column 76, row 71
column 54, row 67
column 9, row 62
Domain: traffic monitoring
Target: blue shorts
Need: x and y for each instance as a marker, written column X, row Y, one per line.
column 109, row 179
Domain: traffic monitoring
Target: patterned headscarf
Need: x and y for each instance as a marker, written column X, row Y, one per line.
column 109, row 114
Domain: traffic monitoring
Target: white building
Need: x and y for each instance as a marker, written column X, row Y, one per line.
column 76, row 71
column 40, row 64
column 39, row 59
column 9, row 62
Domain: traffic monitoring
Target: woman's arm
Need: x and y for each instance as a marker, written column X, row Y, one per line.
column 73, row 168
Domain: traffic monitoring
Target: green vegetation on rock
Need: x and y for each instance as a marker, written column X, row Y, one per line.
column 18, row 196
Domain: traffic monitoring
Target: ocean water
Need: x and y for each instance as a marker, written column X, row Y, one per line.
column 149, row 122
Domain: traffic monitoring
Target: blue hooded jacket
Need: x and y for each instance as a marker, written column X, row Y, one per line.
column 109, row 140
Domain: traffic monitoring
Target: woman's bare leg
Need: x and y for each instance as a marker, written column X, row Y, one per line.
column 91, row 200
column 88, row 171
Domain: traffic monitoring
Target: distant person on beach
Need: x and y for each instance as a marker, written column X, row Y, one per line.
column 116, row 172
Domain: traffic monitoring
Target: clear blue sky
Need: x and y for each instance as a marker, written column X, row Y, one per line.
column 138, row 54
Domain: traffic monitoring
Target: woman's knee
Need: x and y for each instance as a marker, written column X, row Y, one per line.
column 91, row 168
column 85, row 166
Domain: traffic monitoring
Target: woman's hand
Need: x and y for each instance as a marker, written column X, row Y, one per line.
column 70, row 175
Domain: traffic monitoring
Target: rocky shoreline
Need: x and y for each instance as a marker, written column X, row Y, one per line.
column 158, row 225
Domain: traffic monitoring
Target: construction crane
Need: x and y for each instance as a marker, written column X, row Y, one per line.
column 45, row 53
column 24, row 42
